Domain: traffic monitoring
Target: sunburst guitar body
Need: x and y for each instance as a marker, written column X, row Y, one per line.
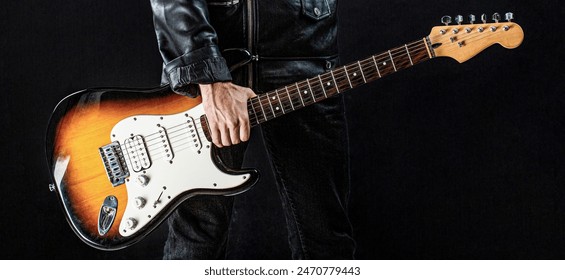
column 122, row 160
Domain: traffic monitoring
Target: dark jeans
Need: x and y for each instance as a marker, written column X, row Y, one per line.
column 308, row 150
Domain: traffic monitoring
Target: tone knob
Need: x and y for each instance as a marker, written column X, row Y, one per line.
column 143, row 180
column 131, row 223
column 139, row 202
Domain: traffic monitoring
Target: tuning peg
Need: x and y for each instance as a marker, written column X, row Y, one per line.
column 496, row 17
column 471, row 18
column 509, row 16
column 446, row 20
column 459, row 19
column 484, row 18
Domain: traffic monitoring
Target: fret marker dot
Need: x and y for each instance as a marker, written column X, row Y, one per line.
column 273, row 98
column 305, row 92
column 329, row 83
column 277, row 108
column 384, row 63
column 354, row 74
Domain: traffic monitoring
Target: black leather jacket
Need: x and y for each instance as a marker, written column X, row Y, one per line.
column 287, row 40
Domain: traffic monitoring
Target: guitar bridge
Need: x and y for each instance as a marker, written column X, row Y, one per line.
column 114, row 162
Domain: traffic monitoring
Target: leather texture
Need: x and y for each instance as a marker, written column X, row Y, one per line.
column 288, row 39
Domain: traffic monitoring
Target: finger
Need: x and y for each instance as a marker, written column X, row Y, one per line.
column 215, row 133
column 244, row 131
column 234, row 135
column 225, row 136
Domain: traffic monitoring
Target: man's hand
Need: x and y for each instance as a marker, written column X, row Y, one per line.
column 225, row 105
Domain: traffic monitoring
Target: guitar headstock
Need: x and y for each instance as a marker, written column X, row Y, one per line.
column 463, row 41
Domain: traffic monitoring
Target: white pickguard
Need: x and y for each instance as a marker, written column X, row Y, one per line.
column 184, row 165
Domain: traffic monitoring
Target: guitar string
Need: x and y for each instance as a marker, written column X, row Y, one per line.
column 324, row 77
column 404, row 51
column 468, row 38
column 340, row 73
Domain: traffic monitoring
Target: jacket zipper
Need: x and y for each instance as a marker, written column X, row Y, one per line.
column 250, row 39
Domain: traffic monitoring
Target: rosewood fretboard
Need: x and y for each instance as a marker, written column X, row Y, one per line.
column 303, row 93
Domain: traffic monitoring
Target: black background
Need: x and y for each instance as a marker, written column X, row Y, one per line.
column 449, row 160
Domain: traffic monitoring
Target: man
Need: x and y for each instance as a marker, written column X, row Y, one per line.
column 289, row 40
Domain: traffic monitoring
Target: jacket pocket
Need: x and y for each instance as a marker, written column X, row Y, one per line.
column 317, row 9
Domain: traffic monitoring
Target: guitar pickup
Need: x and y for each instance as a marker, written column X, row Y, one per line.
column 137, row 153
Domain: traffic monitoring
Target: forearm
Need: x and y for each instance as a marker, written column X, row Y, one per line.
column 188, row 44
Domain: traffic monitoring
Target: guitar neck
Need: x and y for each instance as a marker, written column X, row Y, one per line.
column 287, row 99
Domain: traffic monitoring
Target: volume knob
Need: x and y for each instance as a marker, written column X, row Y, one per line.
column 131, row 223
column 143, row 180
column 139, row 202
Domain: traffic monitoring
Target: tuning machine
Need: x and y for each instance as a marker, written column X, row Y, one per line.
column 496, row 17
column 445, row 20
column 509, row 17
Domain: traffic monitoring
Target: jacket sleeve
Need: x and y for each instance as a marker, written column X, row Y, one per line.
column 188, row 45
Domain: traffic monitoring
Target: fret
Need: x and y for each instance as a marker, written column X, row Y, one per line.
column 335, row 84
column 328, row 84
column 304, row 91
column 361, row 70
column 311, row 92
column 279, row 99
column 347, row 75
column 252, row 120
column 384, row 64
column 341, row 79
column 289, row 98
column 299, row 95
column 408, row 52
column 420, row 52
column 267, row 107
column 262, row 109
column 322, row 86
column 273, row 111
column 356, row 75
column 392, row 60
column 369, row 70
column 377, row 66
column 317, row 89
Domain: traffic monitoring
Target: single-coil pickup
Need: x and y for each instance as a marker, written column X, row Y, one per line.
column 193, row 134
column 165, row 143
column 137, row 153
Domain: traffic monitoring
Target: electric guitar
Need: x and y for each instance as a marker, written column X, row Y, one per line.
column 121, row 160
